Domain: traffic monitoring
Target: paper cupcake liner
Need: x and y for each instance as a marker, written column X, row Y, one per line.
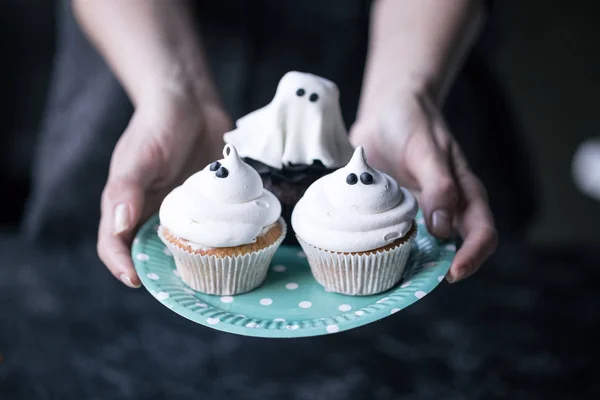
column 228, row 275
column 358, row 274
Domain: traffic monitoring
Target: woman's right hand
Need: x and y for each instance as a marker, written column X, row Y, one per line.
column 170, row 136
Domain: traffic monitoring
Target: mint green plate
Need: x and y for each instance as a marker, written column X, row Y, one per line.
column 290, row 303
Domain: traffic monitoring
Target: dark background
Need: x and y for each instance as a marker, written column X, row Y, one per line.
column 524, row 327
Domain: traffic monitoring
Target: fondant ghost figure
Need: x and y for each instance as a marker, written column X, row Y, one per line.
column 302, row 124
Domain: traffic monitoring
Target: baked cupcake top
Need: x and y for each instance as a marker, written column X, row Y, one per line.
column 302, row 124
column 223, row 205
column 356, row 208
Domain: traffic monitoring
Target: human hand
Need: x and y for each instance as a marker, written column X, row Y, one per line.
column 170, row 136
column 405, row 135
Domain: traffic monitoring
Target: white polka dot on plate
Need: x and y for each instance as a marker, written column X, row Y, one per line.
column 359, row 313
column 136, row 241
column 279, row 320
column 332, row 328
column 212, row 321
column 189, row 291
column 420, row 294
column 394, row 310
column 305, row 304
column 420, row 221
column 406, row 284
column 451, row 247
column 142, row 257
column 345, row 307
column 292, row 327
column 167, row 252
column 226, row 299
column 301, row 254
column 440, row 278
column 152, row 276
column 251, row 324
column 176, row 273
column 291, row 286
column 266, row 302
column 382, row 300
column 279, row 268
column 162, row 295
column 429, row 264
column 201, row 305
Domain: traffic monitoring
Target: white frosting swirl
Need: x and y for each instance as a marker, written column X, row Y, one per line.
column 338, row 215
column 213, row 210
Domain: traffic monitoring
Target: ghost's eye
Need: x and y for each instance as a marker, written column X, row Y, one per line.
column 351, row 179
column 222, row 173
column 300, row 92
column 314, row 97
column 366, row 178
column 214, row 166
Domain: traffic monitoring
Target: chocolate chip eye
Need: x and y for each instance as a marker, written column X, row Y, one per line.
column 300, row 92
column 214, row 166
column 314, row 97
column 351, row 179
column 222, row 173
column 366, row 178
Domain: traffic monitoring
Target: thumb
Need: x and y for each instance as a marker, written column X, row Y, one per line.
column 131, row 167
column 122, row 204
column 123, row 201
column 439, row 191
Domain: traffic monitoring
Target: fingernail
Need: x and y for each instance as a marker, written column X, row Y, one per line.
column 127, row 281
column 121, row 218
column 442, row 225
column 449, row 278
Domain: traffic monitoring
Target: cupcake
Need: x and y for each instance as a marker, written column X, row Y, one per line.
column 356, row 226
column 296, row 139
column 222, row 227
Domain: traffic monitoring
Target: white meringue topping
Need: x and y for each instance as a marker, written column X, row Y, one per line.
column 356, row 208
column 223, row 205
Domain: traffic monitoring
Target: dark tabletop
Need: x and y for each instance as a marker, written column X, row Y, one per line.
column 524, row 328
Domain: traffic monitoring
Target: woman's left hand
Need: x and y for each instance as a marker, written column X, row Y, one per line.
column 405, row 135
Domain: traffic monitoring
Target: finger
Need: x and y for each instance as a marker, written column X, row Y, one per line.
column 114, row 253
column 480, row 241
column 439, row 191
column 476, row 223
column 122, row 204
